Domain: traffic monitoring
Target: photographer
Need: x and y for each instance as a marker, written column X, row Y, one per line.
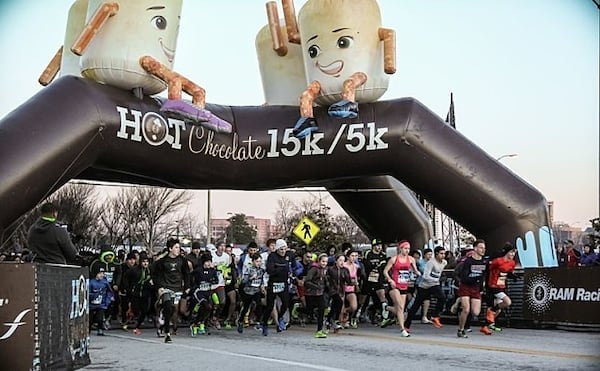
column 48, row 241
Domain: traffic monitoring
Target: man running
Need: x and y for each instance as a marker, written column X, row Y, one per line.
column 172, row 277
column 469, row 290
column 496, row 298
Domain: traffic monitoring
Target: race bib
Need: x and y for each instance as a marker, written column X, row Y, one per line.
column 278, row 287
column 108, row 276
column 177, row 297
column 501, row 280
column 204, row 286
column 256, row 282
column 403, row 277
column 98, row 300
column 373, row 277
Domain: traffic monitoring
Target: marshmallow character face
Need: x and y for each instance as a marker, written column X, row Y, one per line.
column 69, row 62
column 140, row 28
column 283, row 77
column 339, row 38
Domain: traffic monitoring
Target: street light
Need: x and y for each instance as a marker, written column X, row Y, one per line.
column 507, row 155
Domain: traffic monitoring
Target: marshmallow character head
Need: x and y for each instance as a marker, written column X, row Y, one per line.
column 339, row 38
column 282, row 77
column 69, row 62
column 140, row 28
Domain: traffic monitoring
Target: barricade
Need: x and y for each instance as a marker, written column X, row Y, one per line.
column 44, row 317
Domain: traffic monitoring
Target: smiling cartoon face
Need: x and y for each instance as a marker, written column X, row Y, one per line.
column 339, row 38
column 140, row 28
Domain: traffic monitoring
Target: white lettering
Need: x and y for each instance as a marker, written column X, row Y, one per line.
column 354, row 134
column 125, row 123
column 289, row 138
column 375, row 141
column 310, row 144
column 273, row 149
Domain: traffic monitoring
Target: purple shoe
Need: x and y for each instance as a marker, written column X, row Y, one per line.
column 181, row 109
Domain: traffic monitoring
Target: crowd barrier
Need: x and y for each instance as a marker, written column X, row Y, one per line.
column 44, row 315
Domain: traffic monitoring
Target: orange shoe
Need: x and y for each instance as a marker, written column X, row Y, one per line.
column 485, row 330
column 490, row 315
column 436, row 322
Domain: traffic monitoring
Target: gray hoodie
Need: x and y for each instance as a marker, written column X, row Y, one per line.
column 50, row 243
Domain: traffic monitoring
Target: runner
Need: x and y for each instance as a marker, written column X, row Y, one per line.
column 469, row 290
column 172, row 278
column 252, row 289
column 400, row 267
column 496, row 297
column 430, row 285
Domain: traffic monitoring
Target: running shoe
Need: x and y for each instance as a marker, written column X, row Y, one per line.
column 107, row 324
column 320, row 334
column 407, row 329
column 137, row 331
column 385, row 323
column 468, row 329
column 337, row 325
column 265, row 330
column 240, row 327
column 201, row 329
column 404, row 334
column 295, row 311
column 461, row 334
column 436, row 322
column 425, row 320
column 493, row 327
column 346, row 325
column 490, row 315
column 100, row 332
column 216, row 324
column 485, row 330
column 384, row 312
column 228, row 325
column 281, row 325
column 354, row 323
column 193, row 330
column 124, row 326
column 168, row 338
column 159, row 333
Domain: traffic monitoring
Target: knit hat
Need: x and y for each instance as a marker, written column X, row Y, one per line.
column 131, row 255
column 280, row 244
column 97, row 269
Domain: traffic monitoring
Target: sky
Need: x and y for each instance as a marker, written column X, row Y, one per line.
column 525, row 78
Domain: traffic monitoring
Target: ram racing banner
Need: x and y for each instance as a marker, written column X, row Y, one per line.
column 562, row 295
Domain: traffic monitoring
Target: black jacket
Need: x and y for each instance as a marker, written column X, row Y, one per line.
column 50, row 243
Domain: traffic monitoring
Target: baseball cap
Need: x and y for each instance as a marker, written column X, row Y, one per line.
column 376, row 241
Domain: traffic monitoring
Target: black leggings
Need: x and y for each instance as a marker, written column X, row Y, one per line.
column 141, row 307
column 97, row 316
column 247, row 302
column 312, row 302
column 285, row 298
column 337, row 302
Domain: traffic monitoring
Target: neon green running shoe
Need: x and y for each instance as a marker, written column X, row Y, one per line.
column 320, row 334
column 493, row 327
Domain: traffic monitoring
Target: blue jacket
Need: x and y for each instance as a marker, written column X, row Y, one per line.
column 100, row 294
column 588, row 259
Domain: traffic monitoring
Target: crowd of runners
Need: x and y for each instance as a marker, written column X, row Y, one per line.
column 212, row 289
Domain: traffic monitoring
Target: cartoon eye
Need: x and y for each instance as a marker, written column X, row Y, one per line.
column 159, row 22
column 345, row 42
column 313, row 51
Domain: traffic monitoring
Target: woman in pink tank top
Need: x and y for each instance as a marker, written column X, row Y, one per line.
column 351, row 301
column 397, row 274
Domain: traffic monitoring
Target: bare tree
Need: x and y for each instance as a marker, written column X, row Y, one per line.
column 156, row 207
column 285, row 215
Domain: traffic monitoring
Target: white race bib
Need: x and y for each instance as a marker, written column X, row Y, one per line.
column 278, row 287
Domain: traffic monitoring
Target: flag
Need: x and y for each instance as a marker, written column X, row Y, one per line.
column 450, row 116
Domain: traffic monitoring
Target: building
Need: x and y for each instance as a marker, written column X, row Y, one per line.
column 262, row 226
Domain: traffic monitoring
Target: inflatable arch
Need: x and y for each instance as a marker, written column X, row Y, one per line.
column 93, row 127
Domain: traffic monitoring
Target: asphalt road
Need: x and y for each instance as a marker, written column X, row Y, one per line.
column 366, row 348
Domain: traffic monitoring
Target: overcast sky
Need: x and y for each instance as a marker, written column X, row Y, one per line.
column 524, row 76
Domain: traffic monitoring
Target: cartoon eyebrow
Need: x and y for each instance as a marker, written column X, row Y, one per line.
column 340, row 29
column 312, row 38
column 158, row 7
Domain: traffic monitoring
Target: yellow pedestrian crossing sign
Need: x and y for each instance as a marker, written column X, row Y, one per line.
column 306, row 230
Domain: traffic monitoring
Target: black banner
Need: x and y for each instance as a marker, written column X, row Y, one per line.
column 562, row 295
column 45, row 311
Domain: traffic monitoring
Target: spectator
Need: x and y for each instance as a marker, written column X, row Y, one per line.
column 572, row 254
column 561, row 256
column 589, row 257
column 49, row 242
